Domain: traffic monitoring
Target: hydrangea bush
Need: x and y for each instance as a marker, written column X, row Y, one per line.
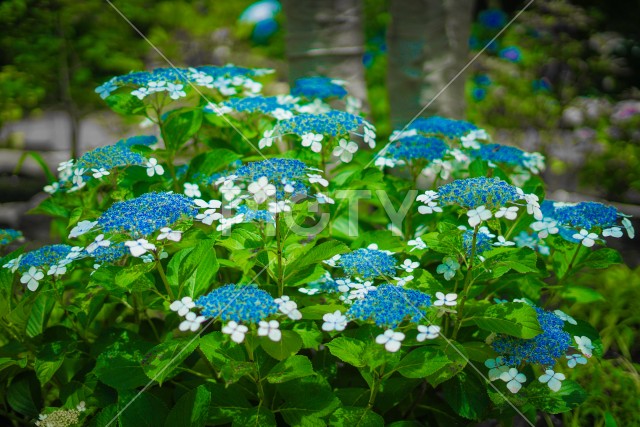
column 265, row 261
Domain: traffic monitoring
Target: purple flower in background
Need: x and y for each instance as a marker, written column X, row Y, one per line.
column 511, row 53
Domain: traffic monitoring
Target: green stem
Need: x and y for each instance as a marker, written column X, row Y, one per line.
column 467, row 283
column 377, row 381
column 164, row 280
column 280, row 277
column 257, row 378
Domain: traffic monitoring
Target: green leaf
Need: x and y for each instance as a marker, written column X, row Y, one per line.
column 163, row 360
column 458, row 360
column 141, row 410
column 120, row 365
column 125, row 104
column 24, row 395
column 226, row 403
column 316, row 312
column 191, row 410
column 233, row 371
column 256, row 417
column 211, row 162
column 581, row 294
column 348, row 350
column 466, row 395
column 289, row 344
column 45, row 369
column 39, row 314
column 422, row 362
column 291, row 368
column 350, row 416
column 180, row 125
column 516, row 319
column 135, row 278
column 499, row 261
column 601, row 258
column 51, row 208
column 568, row 397
column 307, row 399
column 317, row 254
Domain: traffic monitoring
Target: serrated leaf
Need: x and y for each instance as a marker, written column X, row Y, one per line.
column 350, row 416
column 568, row 397
column 289, row 344
column 422, row 362
column 162, row 361
column 191, row 410
column 516, row 319
column 317, row 254
column 180, row 125
column 348, row 350
column 289, row 369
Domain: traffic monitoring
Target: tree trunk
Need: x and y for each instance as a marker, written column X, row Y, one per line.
column 427, row 46
column 326, row 38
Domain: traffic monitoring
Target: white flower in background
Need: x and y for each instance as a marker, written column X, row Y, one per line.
column 448, row 299
column 266, row 140
column 191, row 322
column 230, row 190
column 332, row 261
column 514, row 379
column 141, row 93
column 208, row 216
column 169, row 234
column 81, row 407
column 552, row 379
column 612, row 232
column 312, row 140
column 81, row 228
column 428, row 196
column 308, row 291
column 425, row 332
column 153, row 168
column 270, row 329
column 75, row 252
column 98, row 242
column 391, row 340
column 545, row 227
column 282, row 114
column 227, row 223
column 584, row 345
column 182, row 306
column 315, row 107
column 587, row 239
column 575, row 359
column 496, row 367
column 565, row 317
column 278, row 207
column 175, row 91
column 477, row 215
column 484, row 230
column 510, row 213
column 417, row 243
column 51, row 188
column 31, row 278
column 429, row 208
column 409, row 265
column 385, row 162
column 236, row 330
column 345, row 150
column 503, row 242
column 335, row 321
column 99, row 173
column 13, row 264
column 57, row 269
column 159, row 86
column 628, row 227
column 533, row 206
column 261, row 189
column 191, row 190
column 401, row 281
column 139, row 247
column 324, row 199
column 317, row 178
column 77, row 177
column 288, row 307
column 63, row 166
column 370, row 136
column 211, row 204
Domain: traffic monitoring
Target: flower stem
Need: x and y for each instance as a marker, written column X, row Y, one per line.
column 164, row 280
column 280, row 276
column 467, row 283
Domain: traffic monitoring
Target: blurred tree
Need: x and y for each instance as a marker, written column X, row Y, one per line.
column 326, row 38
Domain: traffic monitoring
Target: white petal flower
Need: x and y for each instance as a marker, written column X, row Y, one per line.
column 230, row 190
column 32, row 278
column 261, row 189
column 99, row 173
column 496, row 368
column 477, row 215
column 57, row 269
column 270, row 329
column 236, row 331
column 429, row 208
column 510, row 213
column 175, row 91
column 401, row 281
column 191, row 322
column 565, row 317
column 335, row 321
column 169, row 234
column 290, row 308
column 208, row 216
column 427, row 332
column 417, row 243
column 227, row 223
column 545, row 227
column 574, row 359
column 312, row 140
column 628, row 226
column 533, row 206
column 552, row 379
column 313, row 178
column 211, row 204
column 370, row 136
column 612, row 232
column 191, row 190
column 182, row 306
column 409, row 265
column 81, row 228
column 514, row 379
column 324, row 199
column 448, row 299
column 139, row 247
column 587, row 239
column 98, row 242
column 584, row 345
column 428, row 196
column 345, row 150
column 153, row 168
column 503, row 242
column 266, row 140
column 391, row 340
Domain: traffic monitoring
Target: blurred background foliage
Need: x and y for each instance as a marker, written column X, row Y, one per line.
column 563, row 79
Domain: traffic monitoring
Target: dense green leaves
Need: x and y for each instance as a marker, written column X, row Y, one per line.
column 516, row 319
column 422, row 362
column 290, row 369
column 180, row 125
column 191, row 410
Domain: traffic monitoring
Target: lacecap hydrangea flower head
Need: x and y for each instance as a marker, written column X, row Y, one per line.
column 51, row 260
